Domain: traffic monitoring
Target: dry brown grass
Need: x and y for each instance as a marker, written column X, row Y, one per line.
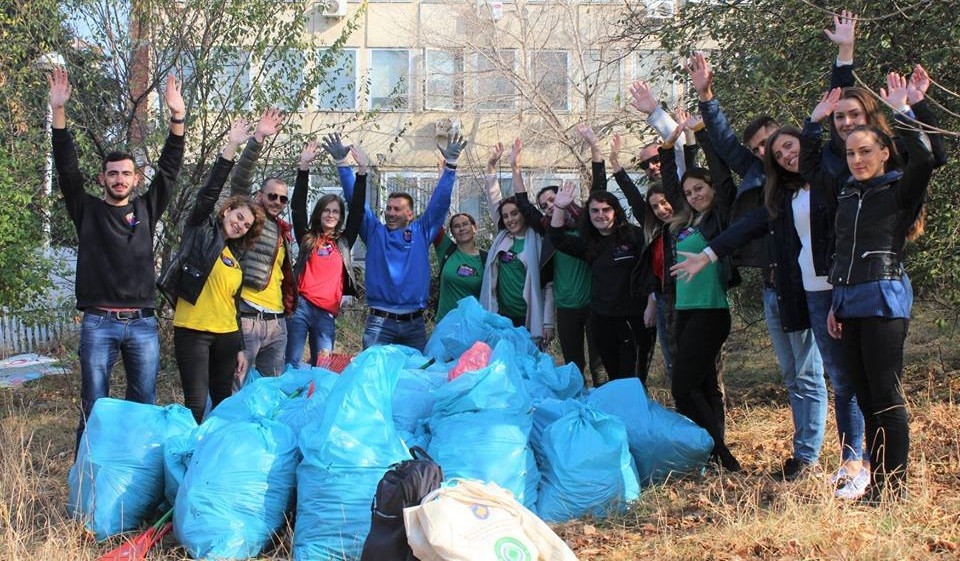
column 742, row 516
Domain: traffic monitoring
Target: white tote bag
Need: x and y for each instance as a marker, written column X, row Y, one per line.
column 469, row 520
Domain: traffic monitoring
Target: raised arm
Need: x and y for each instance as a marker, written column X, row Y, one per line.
column 668, row 176
column 69, row 176
column 843, row 35
column 208, row 195
column 722, row 137
column 635, row 199
column 916, row 97
column 241, row 183
column 920, row 163
column 164, row 181
column 531, row 214
column 298, row 202
column 660, row 120
column 439, row 203
column 492, row 183
column 811, row 144
column 355, row 205
column 571, row 245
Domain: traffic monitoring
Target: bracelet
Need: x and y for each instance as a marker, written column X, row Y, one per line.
column 175, row 121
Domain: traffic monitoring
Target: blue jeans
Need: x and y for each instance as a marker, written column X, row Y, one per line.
column 664, row 334
column 102, row 338
column 265, row 342
column 848, row 414
column 313, row 322
column 802, row 371
column 383, row 331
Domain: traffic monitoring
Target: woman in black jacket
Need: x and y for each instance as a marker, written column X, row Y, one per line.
column 204, row 281
column 872, row 298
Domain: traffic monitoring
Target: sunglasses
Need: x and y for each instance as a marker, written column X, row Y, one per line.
column 644, row 164
column 274, row 197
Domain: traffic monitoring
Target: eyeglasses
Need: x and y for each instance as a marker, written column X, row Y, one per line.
column 644, row 164
column 274, row 197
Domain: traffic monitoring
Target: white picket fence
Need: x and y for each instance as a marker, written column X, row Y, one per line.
column 21, row 333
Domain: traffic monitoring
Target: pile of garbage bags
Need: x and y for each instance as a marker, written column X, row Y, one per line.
column 482, row 400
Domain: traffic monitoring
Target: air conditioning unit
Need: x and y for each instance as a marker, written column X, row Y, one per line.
column 332, row 8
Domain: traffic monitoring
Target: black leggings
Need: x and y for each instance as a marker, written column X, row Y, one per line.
column 873, row 352
column 625, row 345
column 207, row 363
column 573, row 325
column 699, row 336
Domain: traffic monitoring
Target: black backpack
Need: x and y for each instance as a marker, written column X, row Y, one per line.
column 404, row 484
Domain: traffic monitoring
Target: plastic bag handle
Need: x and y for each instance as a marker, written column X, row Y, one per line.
column 476, row 493
column 419, row 453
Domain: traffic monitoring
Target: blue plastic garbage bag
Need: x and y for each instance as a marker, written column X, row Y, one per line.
column 480, row 427
column 544, row 379
column 545, row 412
column 468, row 323
column 413, row 397
column 117, row 479
column 178, row 451
column 345, row 454
column 239, row 484
column 585, row 466
column 661, row 441
column 306, row 402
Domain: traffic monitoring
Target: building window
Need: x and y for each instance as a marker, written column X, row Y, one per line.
column 549, row 72
column 337, row 90
column 229, row 84
column 281, row 78
column 390, row 79
column 659, row 9
column 495, row 89
column 603, row 80
column 656, row 69
column 443, row 80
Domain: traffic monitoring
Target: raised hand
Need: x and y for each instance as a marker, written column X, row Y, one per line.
column 643, row 100
column 308, row 154
column 565, row 195
column 700, row 74
column 173, row 99
column 454, row 148
column 239, row 131
column 844, row 28
column 895, row 94
column 515, row 152
column 828, row 102
column 615, row 146
column 586, row 132
column 359, row 156
column 269, row 124
column 60, row 87
column 334, row 146
column 495, row 154
column 681, row 116
column 919, row 83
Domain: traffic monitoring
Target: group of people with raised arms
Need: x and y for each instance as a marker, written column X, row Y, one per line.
column 827, row 223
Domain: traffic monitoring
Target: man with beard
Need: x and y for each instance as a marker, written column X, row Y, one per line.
column 115, row 267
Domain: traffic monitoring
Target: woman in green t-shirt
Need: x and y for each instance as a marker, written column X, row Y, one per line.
column 701, row 201
column 460, row 263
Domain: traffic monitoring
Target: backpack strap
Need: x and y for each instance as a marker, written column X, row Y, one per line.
column 419, row 453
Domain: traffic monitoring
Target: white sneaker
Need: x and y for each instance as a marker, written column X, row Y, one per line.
column 838, row 477
column 854, row 487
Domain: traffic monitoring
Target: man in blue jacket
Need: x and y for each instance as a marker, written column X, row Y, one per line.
column 397, row 275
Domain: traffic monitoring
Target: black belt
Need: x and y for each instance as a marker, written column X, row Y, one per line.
column 122, row 315
column 261, row 315
column 396, row 317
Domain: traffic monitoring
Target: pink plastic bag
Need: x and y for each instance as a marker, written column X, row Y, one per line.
column 474, row 358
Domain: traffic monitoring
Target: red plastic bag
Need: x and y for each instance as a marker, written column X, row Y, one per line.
column 474, row 358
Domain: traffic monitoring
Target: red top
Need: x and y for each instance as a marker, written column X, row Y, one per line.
column 657, row 258
column 322, row 280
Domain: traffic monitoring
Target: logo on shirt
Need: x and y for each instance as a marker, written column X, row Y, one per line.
column 227, row 261
column 686, row 233
column 324, row 250
column 623, row 251
column 131, row 220
column 466, row 271
column 507, row 256
column 408, row 235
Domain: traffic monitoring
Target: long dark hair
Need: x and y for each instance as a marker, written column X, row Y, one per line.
column 316, row 224
column 781, row 184
column 512, row 199
column 685, row 216
column 652, row 225
column 872, row 110
column 589, row 232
